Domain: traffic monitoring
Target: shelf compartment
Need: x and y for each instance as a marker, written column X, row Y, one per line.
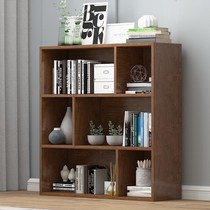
column 48, row 55
column 127, row 161
column 71, row 158
column 52, row 111
column 102, row 109
column 126, row 59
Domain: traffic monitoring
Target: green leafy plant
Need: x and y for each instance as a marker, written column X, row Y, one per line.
column 113, row 130
column 95, row 130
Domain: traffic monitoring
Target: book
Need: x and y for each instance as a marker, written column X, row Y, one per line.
column 138, row 193
column 135, row 129
column 64, row 79
column 137, row 91
column 85, row 75
column 90, row 76
column 73, row 76
column 57, row 77
column 100, row 175
column 90, row 178
column 70, row 189
column 142, row 36
column 81, row 179
column 139, row 84
column 139, row 188
column 146, row 129
column 148, row 29
column 152, row 39
column 68, row 77
column 63, row 184
column 126, row 130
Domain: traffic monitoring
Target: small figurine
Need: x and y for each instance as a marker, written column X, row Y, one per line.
column 72, row 175
column 64, row 173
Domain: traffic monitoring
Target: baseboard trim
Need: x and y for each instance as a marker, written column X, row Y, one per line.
column 33, row 184
column 195, row 192
column 189, row 192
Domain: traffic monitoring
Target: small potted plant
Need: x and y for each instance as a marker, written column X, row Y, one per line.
column 96, row 136
column 115, row 136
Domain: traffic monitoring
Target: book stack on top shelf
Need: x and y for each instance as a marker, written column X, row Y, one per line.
column 148, row 34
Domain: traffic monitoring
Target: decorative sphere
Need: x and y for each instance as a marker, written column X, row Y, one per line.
column 138, row 73
column 56, row 136
column 147, row 21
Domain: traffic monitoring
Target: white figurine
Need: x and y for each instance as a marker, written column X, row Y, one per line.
column 64, row 173
column 72, row 175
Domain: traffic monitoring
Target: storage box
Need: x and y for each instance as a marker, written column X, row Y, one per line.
column 104, row 72
column 103, row 87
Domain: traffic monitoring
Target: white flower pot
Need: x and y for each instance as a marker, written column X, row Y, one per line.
column 114, row 140
column 96, row 139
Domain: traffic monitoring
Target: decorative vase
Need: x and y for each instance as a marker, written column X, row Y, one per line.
column 64, row 173
column 110, row 188
column 143, row 177
column 72, row 175
column 61, row 34
column 77, row 32
column 56, row 136
column 66, row 126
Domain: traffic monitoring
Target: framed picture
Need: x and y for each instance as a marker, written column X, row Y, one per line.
column 117, row 32
column 94, row 23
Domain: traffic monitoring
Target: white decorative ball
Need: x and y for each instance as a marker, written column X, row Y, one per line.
column 147, row 21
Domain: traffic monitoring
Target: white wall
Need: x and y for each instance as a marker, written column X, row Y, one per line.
column 188, row 23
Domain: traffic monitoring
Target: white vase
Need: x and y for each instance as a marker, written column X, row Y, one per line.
column 66, row 126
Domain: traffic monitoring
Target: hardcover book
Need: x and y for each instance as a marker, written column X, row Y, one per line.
column 94, row 23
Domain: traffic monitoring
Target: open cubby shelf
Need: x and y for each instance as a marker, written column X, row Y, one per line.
column 163, row 63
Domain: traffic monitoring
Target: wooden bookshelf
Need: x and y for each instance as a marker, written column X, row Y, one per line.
column 163, row 62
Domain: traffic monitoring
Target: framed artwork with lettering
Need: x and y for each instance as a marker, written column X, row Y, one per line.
column 94, row 23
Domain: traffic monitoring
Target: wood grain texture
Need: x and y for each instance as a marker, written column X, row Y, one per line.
column 34, row 200
column 163, row 62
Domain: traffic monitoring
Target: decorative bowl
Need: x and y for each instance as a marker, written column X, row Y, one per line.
column 114, row 140
column 96, row 139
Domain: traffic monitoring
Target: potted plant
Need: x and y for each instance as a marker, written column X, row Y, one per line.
column 115, row 136
column 96, row 136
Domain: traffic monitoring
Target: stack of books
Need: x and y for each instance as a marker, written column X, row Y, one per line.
column 149, row 34
column 138, row 191
column 138, row 87
column 64, row 186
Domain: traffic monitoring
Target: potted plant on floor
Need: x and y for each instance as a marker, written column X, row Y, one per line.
column 96, row 136
column 115, row 136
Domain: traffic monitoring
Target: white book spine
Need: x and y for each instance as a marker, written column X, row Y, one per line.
column 146, row 129
column 68, row 77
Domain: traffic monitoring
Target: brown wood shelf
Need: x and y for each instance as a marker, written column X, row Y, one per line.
column 92, row 147
column 95, row 95
column 163, row 62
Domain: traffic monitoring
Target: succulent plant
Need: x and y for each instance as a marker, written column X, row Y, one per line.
column 95, row 130
column 114, row 130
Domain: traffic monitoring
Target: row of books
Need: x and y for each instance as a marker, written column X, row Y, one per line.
column 73, row 76
column 90, row 179
column 138, row 191
column 138, row 87
column 137, row 129
column 149, row 34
